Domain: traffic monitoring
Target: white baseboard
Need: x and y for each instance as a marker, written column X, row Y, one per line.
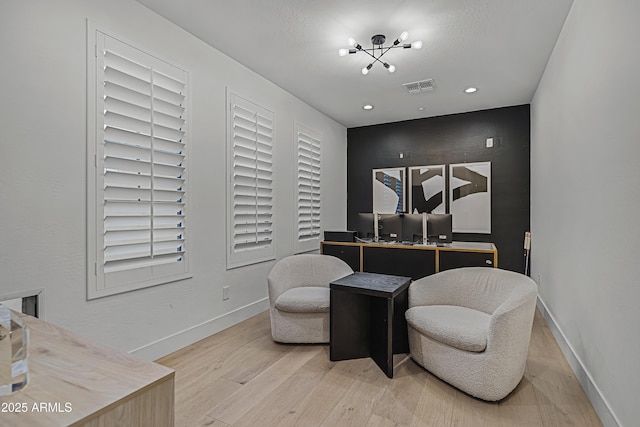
column 164, row 346
column 592, row 391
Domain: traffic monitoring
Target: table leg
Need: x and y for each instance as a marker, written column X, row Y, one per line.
column 382, row 333
column 349, row 327
column 400, row 334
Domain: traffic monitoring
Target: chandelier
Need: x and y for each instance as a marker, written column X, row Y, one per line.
column 378, row 49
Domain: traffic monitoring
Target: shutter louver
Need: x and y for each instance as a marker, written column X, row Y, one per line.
column 251, row 200
column 308, row 184
column 140, row 167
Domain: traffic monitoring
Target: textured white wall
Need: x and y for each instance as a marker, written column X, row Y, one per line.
column 585, row 191
column 43, row 174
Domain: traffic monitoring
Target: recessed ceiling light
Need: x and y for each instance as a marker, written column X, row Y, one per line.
column 367, row 107
column 420, row 108
column 470, row 90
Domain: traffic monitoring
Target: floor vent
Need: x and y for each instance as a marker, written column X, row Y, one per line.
column 420, row 86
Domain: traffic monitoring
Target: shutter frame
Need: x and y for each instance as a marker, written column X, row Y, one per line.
column 308, row 188
column 250, row 193
column 137, row 168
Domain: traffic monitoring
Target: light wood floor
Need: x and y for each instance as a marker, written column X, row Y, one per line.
column 240, row 377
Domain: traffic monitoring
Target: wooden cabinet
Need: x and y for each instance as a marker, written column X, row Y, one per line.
column 415, row 261
column 74, row 381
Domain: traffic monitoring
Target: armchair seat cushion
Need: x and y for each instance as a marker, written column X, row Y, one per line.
column 306, row 299
column 456, row 326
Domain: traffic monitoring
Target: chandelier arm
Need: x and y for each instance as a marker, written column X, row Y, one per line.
column 370, row 54
column 387, row 48
column 378, row 60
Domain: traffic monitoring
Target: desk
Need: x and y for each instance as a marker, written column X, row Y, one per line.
column 415, row 261
column 84, row 383
column 367, row 318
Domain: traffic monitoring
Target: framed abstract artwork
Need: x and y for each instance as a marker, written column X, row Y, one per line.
column 427, row 189
column 470, row 197
column 389, row 190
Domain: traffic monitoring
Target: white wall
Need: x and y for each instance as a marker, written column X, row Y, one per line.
column 585, row 207
column 43, row 173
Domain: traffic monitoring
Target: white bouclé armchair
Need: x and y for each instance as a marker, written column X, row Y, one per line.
column 471, row 327
column 299, row 297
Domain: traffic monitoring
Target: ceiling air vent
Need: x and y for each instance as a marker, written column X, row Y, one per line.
column 420, row 86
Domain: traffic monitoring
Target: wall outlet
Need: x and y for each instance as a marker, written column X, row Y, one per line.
column 225, row 292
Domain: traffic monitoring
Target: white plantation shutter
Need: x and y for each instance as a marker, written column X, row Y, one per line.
column 140, row 169
column 250, row 201
column 308, row 188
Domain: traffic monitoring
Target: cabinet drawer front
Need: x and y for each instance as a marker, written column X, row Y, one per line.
column 349, row 254
column 414, row 263
column 453, row 259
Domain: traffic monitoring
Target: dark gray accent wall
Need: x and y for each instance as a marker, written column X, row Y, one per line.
column 457, row 138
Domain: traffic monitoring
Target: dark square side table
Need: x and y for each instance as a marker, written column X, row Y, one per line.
column 367, row 318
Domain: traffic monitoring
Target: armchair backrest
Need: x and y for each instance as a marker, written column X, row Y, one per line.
column 479, row 288
column 305, row 270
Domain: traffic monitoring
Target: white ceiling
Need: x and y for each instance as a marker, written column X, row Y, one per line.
column 499, row 46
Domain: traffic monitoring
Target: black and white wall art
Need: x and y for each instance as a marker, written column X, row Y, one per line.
column 470, row 197
column 426, row 189
column 389, row 190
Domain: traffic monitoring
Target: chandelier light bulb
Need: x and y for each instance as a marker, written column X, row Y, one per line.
column 403, row 36
column 366, row 69
column 391, row 68
column 343, row 52
column 351, row 41
column 416, row 45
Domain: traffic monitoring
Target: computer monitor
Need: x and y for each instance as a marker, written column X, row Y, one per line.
column 390, row 226
column 439, row 228
column 364, row 225
column 412, row 228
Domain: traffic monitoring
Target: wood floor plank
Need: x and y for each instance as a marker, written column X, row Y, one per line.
column 357, row 405
column 242, row 365
column 240, row 377
column 321, row 400
column 231, row 409
column 201, row 395
column 282, row 402
column 233, row 337
column 378, row 421
column 402, row 395
column 236, row 363
column 435, row 404
column 206, row 421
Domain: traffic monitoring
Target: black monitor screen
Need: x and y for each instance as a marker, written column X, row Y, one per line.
column 364, row 225
column 390, row 226
column 412, row 228
column 439, row 228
